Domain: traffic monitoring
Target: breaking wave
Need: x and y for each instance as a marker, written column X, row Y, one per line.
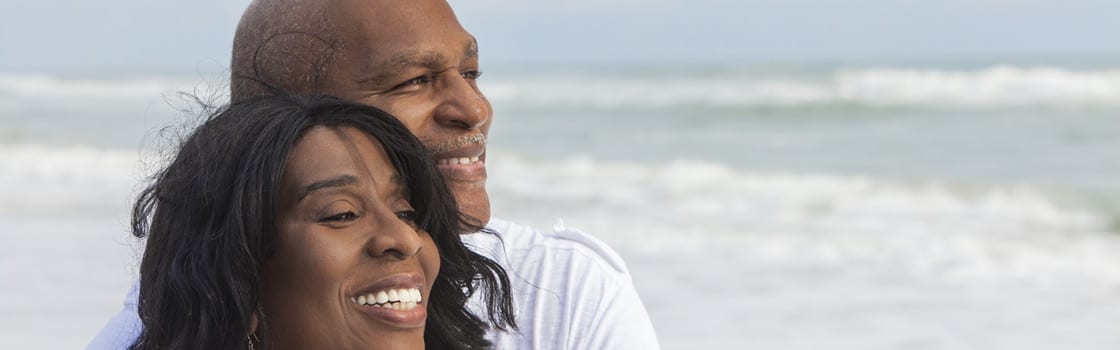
column 37, row 86
column 968, row 232
column 994, row 87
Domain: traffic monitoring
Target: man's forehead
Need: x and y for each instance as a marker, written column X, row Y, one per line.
column 395, row 32
column 388, row 14
column 296, row 44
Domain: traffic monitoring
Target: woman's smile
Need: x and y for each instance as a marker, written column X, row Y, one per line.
column 396, row 300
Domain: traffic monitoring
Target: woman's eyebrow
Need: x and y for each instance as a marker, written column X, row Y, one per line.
column 340, row 181
column 399, row 187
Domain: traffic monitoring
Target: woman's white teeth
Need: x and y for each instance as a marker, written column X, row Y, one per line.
column 457, row 161
column 396, row 299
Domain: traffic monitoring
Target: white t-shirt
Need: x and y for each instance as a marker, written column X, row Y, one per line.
column 570, row 290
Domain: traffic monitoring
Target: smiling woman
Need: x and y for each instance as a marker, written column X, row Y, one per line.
column 308, row 223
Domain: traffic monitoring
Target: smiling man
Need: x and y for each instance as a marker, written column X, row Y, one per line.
column 414, row 60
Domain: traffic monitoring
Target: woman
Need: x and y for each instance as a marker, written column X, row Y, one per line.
column 308, row 223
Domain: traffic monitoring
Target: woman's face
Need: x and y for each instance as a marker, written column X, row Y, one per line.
column 350, row 268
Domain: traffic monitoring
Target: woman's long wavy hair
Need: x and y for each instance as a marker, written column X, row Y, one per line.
column 210, row 221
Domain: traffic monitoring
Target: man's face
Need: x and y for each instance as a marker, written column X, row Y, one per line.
column 413, row 60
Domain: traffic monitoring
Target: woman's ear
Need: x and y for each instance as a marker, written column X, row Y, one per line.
column 254, row 323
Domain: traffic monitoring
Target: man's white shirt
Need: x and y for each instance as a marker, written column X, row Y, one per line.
column 570, row 290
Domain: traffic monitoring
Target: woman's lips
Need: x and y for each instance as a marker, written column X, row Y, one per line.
column 402, row 318
column 396, row 300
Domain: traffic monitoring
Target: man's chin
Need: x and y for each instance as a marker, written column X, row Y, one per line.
column 473, row 201
column 467, row 183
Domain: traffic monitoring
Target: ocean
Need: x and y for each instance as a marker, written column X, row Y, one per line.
column 783, row 206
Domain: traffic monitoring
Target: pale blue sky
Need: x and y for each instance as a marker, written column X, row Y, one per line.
column 146, row 35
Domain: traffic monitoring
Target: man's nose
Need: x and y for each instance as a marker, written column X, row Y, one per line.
column 462, row 105
column 393, row 238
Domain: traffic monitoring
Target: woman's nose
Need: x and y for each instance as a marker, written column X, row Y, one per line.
column 393, row 238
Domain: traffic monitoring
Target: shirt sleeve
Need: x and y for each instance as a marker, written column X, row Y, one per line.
column 123, row 329
column 623, row 322
column 581, row 295
column 614, row 316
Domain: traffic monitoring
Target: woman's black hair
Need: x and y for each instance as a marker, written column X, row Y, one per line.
column 210, row 221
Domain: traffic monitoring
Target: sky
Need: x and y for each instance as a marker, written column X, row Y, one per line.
column 157, row 36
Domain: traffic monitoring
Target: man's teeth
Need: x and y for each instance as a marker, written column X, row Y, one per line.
column 457, row 161
column 396, row 299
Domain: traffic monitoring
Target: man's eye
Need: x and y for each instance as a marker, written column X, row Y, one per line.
column 472, row 74
column 420, row 80
column 344, row 216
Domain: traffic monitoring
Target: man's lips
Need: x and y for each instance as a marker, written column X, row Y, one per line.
column 464, row 164
column 458, row 161
column 460, row 170
column 469, row 151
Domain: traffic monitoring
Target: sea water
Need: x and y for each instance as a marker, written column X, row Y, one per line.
column 887, row 206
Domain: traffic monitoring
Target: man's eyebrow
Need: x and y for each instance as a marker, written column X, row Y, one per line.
column 340, row 181
column 392, row 66
column 472, row 49
column 386, row 69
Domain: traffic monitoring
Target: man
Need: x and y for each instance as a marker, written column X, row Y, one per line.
column 414, row 60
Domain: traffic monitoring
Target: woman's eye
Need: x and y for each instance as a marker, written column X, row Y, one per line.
column 408, row 216
column 344, row 216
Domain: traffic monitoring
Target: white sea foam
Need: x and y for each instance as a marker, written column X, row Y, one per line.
column 993, row 87
column 996, row 86
column 1013, row 233
column 796, row 261
column 52, row 86
column 78, row 180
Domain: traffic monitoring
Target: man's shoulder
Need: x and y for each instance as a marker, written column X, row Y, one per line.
column 571, row 290
column 526, row 244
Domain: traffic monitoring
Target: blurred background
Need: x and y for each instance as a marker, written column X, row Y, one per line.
column 862, row 174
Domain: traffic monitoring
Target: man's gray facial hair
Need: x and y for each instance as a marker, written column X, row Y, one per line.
column 458, row 142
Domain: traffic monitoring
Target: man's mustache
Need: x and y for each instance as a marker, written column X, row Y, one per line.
column 457, row 143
